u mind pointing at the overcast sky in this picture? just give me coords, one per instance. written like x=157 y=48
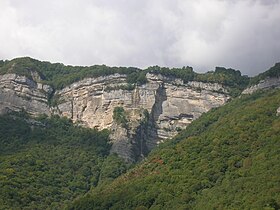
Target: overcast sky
x=241 y=34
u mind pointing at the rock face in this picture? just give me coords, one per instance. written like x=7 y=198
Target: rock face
x=170 y=104
x=278 y=112
x=154 y=111
x=263 y=84
x=20 y=93
x=178 y=104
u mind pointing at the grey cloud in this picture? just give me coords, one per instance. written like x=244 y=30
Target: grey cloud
x=242 y=34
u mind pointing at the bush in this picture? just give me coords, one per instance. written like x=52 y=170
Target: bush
x=119 y=116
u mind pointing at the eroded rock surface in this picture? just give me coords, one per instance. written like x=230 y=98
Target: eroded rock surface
x=273 y=82
x=20 y=93
x=154 y=111
x=171 y=106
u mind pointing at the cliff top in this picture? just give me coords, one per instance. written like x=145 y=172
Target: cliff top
x=59 y=75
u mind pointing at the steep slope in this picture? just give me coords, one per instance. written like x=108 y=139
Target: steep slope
x=227 y=159
x=266 y=80
x=47 y=162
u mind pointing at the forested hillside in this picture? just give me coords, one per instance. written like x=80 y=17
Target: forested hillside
x=47 y=162
x=227 y=159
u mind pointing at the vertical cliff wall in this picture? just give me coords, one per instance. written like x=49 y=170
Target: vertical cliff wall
x=170 y=104
x=21 y=93
x=154 y=111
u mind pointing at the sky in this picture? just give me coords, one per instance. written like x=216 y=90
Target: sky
x=239 y=34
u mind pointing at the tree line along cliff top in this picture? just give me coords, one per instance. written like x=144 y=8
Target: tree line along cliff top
x=59 y=75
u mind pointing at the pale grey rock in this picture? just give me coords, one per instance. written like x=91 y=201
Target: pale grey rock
x=20 y=93
x=192 y=84
x=208 y=86
x=35 y=76
x=122 y=144
x=263 y=84
x=48 y=89
x=170 y=104
x=183 y=105
x=45 y=88
x=278 y=112
x=159 y=78
x=87 y=101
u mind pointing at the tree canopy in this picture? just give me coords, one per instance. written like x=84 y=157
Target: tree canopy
x=58 y=75
x=47 y=162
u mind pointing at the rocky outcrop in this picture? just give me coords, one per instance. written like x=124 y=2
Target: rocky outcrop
x=184 y=104
x=91 y=102
x=154 y=111
x=171 y=105
x=278 y=112
x=270 y=82
x=178 y=104
x=21 y=93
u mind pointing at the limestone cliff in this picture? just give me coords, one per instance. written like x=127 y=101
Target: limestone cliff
x=154 y=111
x=170 y=103
x=21 y=93
x=269 y=82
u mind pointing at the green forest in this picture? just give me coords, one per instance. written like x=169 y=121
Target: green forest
x=227 y=159
x=47 y=162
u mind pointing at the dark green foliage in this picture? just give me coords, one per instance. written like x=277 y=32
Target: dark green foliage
x=185 y=73
x=137 y=78
x=113 y=167
x=228 y=77
x=128 y=86
x=272 y=72
x=227 y=159
x=2 y=63
x=54 y=100
x=47 y=162
x=59 y=75
x=119 y=116
x=21 y=66
x=20 y=133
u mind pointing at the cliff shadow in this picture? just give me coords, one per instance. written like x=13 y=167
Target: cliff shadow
x=152 y=132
